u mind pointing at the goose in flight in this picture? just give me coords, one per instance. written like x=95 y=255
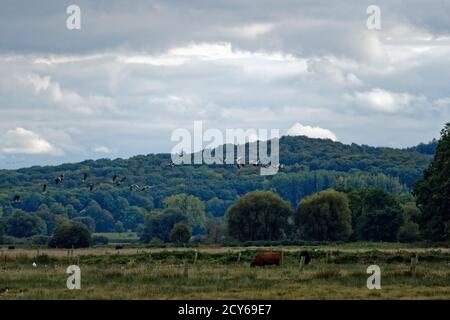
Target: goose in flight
x=59 y=179
x=278 y=166
x=84 y=177
x=44 y=188
x=255 y=163
x=240 y=163
x=134 y=186
x=91 y=186
x=121 y=181
x=16 y=199
x=143 y=188
x=114 y=178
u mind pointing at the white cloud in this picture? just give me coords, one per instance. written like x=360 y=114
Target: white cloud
x=332 y=72
x=250 y=31
x=68 y=99
x=383 y=100
x=311 y=132
x=23 y=141
x=102 y=149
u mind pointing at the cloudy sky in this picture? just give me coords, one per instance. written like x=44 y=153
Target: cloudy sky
x=137 y=70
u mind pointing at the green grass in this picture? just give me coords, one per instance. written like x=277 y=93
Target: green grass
x=162 y=275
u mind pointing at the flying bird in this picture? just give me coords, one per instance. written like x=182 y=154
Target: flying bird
x=59 y=179
x=44 y=188
x=134 y=186
x=255 y=163
x=143 y=188
x=91 y=186
x=84 y=177
x=121 y=181
x=114 y=178
x=278 y=166
x=16 y=199
x=240 y=163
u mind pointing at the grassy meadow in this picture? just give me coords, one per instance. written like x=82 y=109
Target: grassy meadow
x=223 y=273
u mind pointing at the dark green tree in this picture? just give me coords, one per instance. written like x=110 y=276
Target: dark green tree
x=259 y=215
x=371 y=210
x=324 y=216
x=70 y=235
x=160 y=224
x=86 y=221
x=432 y=192
x=180 y=233
x=119 y=227
x=22 y=224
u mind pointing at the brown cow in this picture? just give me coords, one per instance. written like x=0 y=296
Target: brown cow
x=265 y=259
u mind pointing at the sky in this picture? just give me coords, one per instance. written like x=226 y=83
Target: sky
x=138 y=70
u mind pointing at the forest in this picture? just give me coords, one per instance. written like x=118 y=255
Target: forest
x=105 y=195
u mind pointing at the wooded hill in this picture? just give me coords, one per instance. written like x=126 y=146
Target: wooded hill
x=311 y=165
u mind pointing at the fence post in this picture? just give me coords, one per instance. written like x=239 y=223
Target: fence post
x=195 y=256
x=413 y=266
x=302 y=263
x=186 y=270
x=239 y=257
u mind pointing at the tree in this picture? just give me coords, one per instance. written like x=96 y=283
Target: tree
x=379 y=225
x=432 y=192
x=191 y=206
x=133 y=217
x=22 y=224
x=216 y=230
x=408 y=232
x=180 y=233
x=259 y=215
x=325 y=216
x=160 y=224
x=376 y=215
x=45 y=214
x=119 y=227
x=2 y=231
x=104 y=221
x=88 y=222
x=70 y=235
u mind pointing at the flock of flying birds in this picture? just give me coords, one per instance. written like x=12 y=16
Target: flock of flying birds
x=117 y=181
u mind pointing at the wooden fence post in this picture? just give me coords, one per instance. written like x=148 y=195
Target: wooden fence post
x=195 y=256
x=412 y=268
x=186 y=270
x=302 y=263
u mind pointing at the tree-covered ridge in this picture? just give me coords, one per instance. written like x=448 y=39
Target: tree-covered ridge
x=312 y=165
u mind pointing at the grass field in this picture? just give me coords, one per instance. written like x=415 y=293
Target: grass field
x=223 y=273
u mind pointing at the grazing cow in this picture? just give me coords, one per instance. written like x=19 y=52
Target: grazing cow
x=11 y=247
x=119 y=247
x=265 y=259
